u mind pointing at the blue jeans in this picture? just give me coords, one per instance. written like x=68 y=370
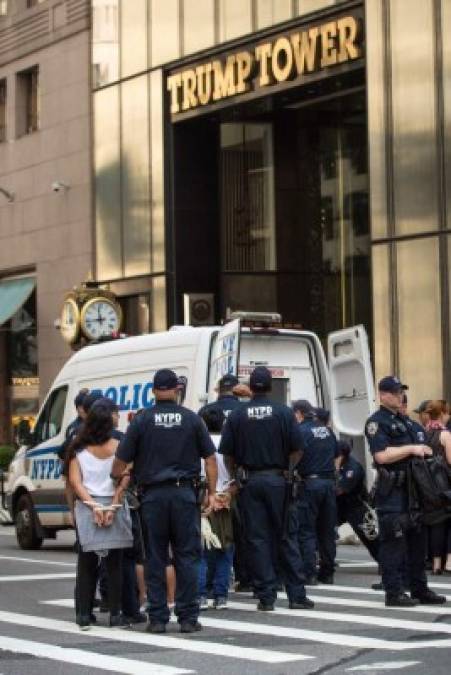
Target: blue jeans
x=219 y=563
x=171 y=515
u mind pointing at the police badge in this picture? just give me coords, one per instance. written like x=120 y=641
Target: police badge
x=372 y=428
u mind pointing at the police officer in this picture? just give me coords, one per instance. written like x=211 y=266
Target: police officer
x=317 y=505
x=260 y=441
x=352 y=497
x=393 y=438
x=165 y=444
x=226 y=401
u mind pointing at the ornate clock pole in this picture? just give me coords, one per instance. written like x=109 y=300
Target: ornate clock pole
x=89 y=314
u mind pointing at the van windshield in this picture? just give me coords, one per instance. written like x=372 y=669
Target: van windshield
x=291 y=360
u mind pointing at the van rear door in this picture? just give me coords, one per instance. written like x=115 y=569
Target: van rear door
x=352 y=392
x=224 y=355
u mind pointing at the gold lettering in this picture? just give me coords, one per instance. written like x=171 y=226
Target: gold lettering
x=329 y=52
x=262 y=54
x=304 y=48
x=189 y=80
x=174 y=84
x=204 y=83
x=282 y=51
x=348 y=29
x=224 y=79
x=244 y=65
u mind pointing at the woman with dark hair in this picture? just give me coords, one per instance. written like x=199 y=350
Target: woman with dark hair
x=102 y=520
x=439 y=439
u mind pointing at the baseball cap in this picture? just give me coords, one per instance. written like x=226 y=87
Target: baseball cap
x=260 y=379
x=165 y=380
x=90 y=399
x=228 y=380
x=303 y=406
x=391 y=384
x=422 y=407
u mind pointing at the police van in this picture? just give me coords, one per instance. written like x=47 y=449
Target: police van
x=123 y=370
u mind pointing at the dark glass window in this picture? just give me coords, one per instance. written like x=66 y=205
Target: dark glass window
x=2 y=110
x=51 y=418
x=28 y=101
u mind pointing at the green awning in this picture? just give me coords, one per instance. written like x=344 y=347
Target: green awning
x=13 y=294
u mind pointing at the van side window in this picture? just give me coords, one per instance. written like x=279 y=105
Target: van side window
x=51 y=418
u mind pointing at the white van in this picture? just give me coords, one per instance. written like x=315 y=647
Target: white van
x=123 y=370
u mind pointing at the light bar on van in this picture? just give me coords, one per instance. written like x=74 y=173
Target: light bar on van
x=257 y=317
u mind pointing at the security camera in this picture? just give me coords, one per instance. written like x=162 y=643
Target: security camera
x=58 y=185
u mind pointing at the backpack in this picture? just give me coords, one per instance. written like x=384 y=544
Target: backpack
x=430 y=483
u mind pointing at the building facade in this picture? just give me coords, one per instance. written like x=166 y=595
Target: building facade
x=46 y=244
x=283 y=155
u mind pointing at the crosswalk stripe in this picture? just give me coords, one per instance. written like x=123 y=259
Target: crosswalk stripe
x=315 y=636
x=387 y=665
x=369 y=604
x=115 y=664
x=367 y=591
x=36 y=561
x=36 y=577
x=167 y=642
x=383 y=622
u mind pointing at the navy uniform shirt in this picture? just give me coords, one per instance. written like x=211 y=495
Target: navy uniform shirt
x=351 y=482
x=165 y=443
x=386 y=429
x=261 y=434
x=71 y=431
x=320 y=449
x=225 y=403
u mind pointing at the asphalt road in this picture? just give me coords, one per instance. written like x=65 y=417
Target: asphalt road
x=349 y=631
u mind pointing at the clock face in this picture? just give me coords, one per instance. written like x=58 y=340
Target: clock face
x=100 y=318
x=70 y=320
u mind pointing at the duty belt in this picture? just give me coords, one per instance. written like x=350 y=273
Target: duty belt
x=178 y=482
x=266 y=472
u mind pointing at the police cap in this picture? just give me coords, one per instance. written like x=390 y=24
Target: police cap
x=322 y=415
x=391 y=384
x=165 y=380
x=260 y=379
x=227 y=381
x=90 y=399
x=106 y=402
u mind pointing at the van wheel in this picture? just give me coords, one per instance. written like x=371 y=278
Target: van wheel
x=26 y=525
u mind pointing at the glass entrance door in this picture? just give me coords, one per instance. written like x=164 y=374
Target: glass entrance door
x=294 y=214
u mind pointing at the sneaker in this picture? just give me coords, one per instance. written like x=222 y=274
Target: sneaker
x=155 y=627
x=302 y=604
x=220 y=603
x=265 y=607
x=203 y=603
x=190 y=627
x=428 y=597
x=400 y=600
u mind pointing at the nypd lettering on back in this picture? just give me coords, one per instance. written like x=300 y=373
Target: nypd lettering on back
x=259 y=412
x=320 y=432
x=168 y=420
